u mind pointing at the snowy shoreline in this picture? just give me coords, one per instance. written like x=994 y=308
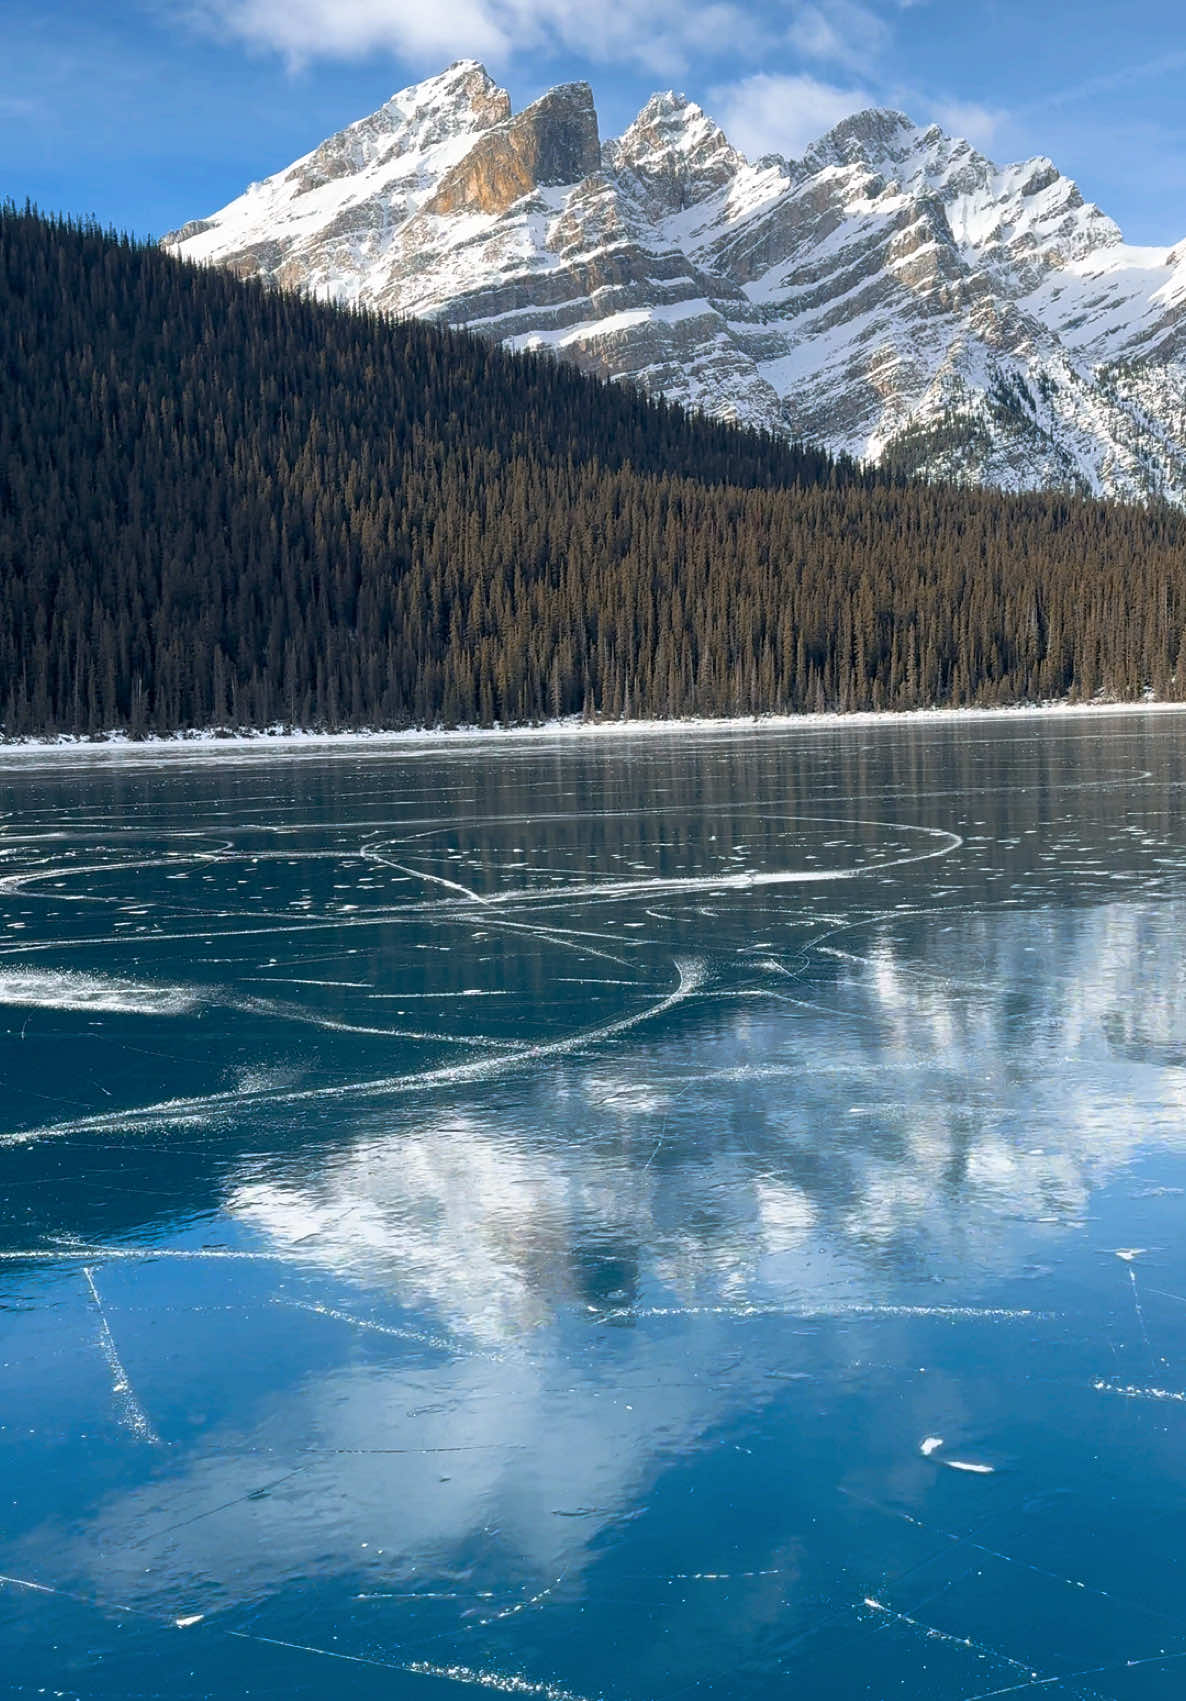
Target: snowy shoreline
x=210 y=741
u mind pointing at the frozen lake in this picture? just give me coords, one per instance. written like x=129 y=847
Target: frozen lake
x=641 y=1219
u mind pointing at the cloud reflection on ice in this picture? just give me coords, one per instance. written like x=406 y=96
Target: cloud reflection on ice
x=940 y=1115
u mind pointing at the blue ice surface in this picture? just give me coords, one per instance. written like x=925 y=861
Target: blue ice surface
x=634 y=1218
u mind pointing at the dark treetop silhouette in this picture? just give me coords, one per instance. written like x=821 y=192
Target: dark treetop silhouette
x=223 y=505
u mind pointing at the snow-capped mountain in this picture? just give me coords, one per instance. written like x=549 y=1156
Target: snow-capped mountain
x=892 y=294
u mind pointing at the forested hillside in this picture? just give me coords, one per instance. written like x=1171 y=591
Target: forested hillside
x=226 y=506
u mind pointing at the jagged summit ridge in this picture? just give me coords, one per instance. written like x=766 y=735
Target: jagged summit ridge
x=672 y=141
x=892 y=293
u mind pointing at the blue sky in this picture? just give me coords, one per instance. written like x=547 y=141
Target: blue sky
x=148 y=112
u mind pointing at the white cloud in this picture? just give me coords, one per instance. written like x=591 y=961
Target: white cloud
x=659 y=35
x=770 y=113
x=977 y=124
x=839 y=32
x=346 y=29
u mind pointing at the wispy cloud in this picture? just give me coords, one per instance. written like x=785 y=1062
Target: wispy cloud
x=1124 y=76
x=980 y=125
x=850 y=49
x=839 y=32
x=770 y=113
x=661 y=36
x=302 y=30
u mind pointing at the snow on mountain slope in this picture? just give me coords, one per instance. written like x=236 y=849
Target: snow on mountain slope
x=893 y=294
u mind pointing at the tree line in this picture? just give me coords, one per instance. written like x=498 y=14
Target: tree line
x=225 y=505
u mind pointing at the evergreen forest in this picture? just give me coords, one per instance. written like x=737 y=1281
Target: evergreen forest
x=227 y=506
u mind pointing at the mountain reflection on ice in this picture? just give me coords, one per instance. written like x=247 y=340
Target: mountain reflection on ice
x=609 y=1220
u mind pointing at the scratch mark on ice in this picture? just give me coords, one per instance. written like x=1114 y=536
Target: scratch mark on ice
x=308 y=1648
x=947 y=1313
x=507 y=1683
x=1139 y=1309
x=524 y=1605
x=1073 y=1676
x=993 y=1553
x=423 y=874
x=934 y=1634
x=133 y=1415
x=70 y=1595
x=418 y=1335
x=1132 y=1393
x=68 y=1250
x=256 y=1493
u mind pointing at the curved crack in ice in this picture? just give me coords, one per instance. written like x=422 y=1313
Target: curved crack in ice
x=691 y=972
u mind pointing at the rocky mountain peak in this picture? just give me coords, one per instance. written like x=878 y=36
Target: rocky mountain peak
x=464 y=93
x=1025 y=218
x=433 y=120
x=675 y=152
x=1041 y=174
x=464 y=100
x=552 y=142
x=878 y=137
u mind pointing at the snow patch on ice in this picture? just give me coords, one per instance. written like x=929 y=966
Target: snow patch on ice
x=70 y=989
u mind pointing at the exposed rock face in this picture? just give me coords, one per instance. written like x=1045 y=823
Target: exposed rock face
x=191 y=228
x=893 y=294
x=552 y=142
